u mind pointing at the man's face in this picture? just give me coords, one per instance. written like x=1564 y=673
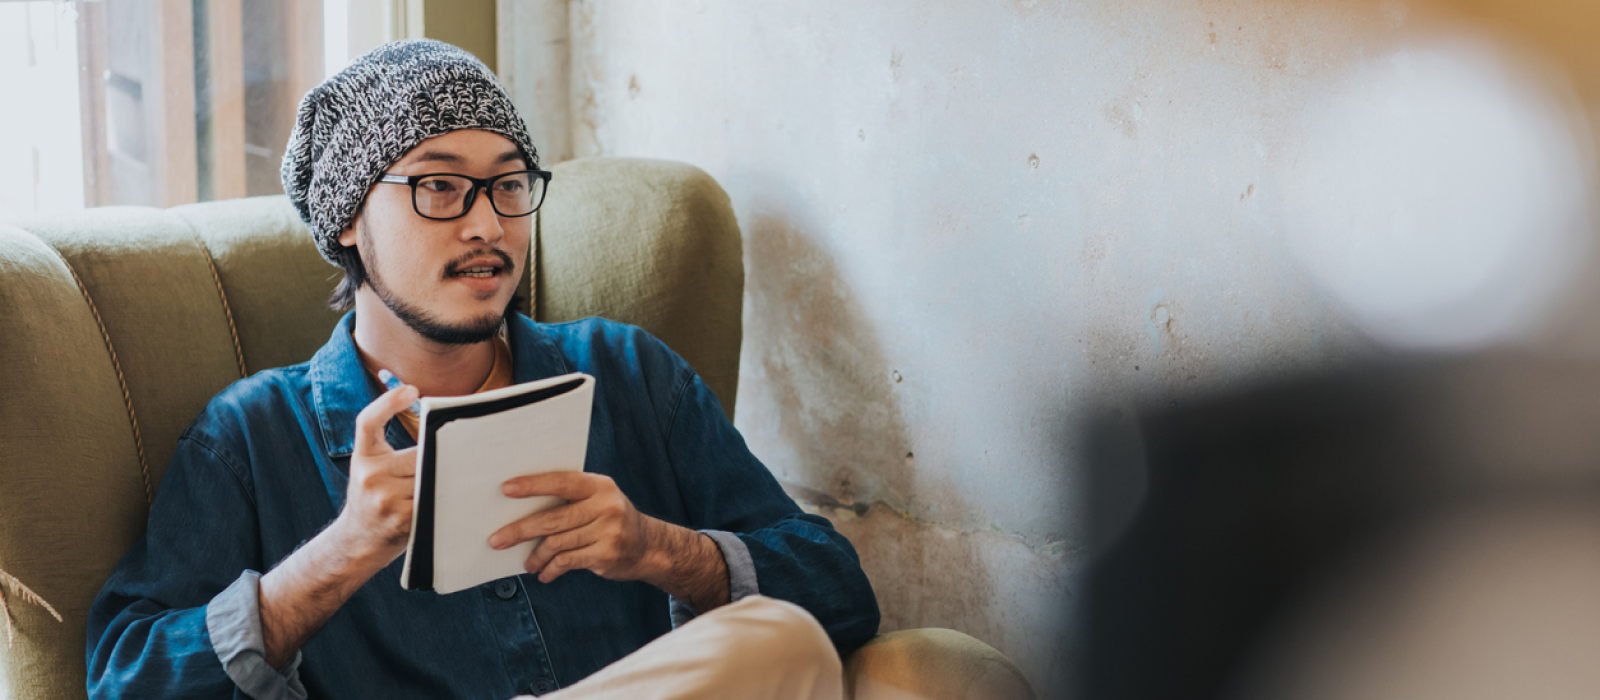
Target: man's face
x=449 y=281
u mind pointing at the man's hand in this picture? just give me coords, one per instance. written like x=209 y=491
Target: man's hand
x=600 y=530
x=376 y=520
x=302 y=592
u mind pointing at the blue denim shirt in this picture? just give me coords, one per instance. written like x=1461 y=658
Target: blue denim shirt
x=263 y=469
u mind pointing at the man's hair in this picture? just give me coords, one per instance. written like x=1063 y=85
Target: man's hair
x=355 y=275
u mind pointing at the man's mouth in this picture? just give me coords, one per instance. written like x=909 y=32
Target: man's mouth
x=481 y=266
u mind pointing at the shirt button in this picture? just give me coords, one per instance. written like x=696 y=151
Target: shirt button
x=506 y=588
x=544 y=685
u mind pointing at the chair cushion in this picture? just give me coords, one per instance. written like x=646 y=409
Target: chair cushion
x=72 y=499
x=932 y=664
x=148 y=277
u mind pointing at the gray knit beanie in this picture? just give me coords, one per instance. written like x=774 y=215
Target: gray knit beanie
x=353 y=126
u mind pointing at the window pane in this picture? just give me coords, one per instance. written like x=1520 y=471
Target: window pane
x=151 y=102
x=40 y=146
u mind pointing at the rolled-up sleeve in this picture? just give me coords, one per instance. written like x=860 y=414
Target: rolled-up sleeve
x=741 y=574
x=233 y=620
x=176 y=617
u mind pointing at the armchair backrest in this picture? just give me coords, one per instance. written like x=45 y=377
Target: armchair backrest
x=118 y=324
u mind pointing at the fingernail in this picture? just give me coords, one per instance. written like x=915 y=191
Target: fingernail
x=496 y=541
x=508 y=489
x=393 y=382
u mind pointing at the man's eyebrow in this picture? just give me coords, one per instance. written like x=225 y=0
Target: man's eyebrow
x=509 y=156
x=436 y=156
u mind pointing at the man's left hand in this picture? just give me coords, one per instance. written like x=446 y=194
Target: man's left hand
x=600 y=530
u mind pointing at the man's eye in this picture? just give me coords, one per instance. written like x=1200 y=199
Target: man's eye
x=438 y=185
x=510 y=186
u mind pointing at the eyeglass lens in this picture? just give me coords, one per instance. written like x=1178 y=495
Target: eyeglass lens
x=445 y=196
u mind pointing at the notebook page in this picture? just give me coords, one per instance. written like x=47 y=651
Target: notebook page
x=474 y=457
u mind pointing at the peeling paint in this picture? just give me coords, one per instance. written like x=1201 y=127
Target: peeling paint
x=819 y=503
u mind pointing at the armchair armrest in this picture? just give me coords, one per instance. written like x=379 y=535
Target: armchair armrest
x=932 y=664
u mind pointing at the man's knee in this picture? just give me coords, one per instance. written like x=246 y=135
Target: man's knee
x=771 y=632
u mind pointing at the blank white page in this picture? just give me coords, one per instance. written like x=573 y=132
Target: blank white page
x=474 y=456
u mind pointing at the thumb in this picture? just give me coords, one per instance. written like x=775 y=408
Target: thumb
x=370 y=421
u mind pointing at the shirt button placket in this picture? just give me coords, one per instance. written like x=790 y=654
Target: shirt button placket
x=543 y=686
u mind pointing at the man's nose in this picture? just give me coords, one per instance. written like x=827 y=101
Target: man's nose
x=482 y=221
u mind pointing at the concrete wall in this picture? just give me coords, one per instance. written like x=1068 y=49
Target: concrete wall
x=970 y=226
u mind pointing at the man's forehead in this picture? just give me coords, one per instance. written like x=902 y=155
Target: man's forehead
x=464 y=147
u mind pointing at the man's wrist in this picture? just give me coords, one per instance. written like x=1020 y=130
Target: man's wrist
x=346 y=544
x=687 y=564
x=660 y=543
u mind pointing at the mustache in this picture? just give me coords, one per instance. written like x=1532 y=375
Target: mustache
x=505 y=261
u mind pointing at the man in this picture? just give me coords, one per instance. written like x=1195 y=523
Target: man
x=416 y=176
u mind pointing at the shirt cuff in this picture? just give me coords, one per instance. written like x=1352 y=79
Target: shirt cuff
x=233 y=620
x=741 y=574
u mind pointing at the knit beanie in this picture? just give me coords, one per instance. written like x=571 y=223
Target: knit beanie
x=355 y=125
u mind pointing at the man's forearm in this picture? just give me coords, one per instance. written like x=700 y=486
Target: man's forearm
x=688 y=566
x=300 y=594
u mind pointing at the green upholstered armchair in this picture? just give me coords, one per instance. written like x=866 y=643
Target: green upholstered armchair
x=118 y=324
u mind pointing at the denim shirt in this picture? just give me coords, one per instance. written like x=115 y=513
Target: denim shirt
x=263 y=469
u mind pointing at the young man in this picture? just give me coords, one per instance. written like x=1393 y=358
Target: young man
x=417 y=177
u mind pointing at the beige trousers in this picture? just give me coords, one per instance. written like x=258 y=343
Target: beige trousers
x=756 y=649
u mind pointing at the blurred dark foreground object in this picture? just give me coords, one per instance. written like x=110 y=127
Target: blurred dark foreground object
x=1423 y=528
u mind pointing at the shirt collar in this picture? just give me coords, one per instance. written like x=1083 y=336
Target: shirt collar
x=341 y=386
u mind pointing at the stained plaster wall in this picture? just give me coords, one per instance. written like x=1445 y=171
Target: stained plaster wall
x=969 y=227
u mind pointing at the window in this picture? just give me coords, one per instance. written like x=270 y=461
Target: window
x=151 y=102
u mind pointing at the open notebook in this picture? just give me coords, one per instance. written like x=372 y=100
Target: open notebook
x=469 y=446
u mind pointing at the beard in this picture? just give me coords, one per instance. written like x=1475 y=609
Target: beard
x=468 y=332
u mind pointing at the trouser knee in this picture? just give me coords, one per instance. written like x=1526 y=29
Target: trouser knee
x=778 y=633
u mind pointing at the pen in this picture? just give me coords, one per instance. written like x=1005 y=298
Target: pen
x=393 y=382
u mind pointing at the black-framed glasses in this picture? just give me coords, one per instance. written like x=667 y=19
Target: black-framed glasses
x=445 y=196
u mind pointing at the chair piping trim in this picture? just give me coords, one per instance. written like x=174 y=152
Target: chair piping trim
x=127 y=399
x=233 y=331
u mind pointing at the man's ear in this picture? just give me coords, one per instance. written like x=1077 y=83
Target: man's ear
x=348 y=237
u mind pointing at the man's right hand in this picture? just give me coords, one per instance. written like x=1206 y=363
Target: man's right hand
x=376 y=520
x=302 y=592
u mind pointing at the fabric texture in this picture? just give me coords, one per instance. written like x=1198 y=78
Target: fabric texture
x=356 y=124
x=276 y=283
x=146 y=273
x=264 y=468
x=233 y=622
x=71 y=496
x=756 y=649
